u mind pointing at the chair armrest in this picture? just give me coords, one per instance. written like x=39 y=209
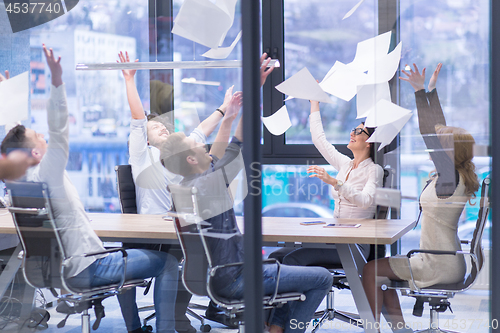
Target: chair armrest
x=116 y=249
x=30 y=211
x=269 y=261
x=435 y=252
x=66 y=262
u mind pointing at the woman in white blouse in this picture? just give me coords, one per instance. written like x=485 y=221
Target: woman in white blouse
x=353 y=189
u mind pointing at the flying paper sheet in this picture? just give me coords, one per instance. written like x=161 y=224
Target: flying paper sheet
x=303 y=85
x=371 y=49
x=385 y=112
x=278 y=122
x=349 y=13
x=14 y=94
x=332 y=70
x=204 y=22
x=384 y=68
x=343 y=82
x=386 y=133
x=369 y=95
x=222 y=52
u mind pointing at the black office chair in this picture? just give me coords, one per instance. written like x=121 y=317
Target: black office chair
x=126 y=194
x=438 y=295
x=198 y=269
x=377 y=251
x=126 y=189
x=44 y=256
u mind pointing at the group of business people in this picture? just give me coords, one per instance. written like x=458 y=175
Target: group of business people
x=159 y=157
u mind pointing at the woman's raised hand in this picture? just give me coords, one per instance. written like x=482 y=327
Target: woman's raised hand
x=414 y=77
x=434 y=77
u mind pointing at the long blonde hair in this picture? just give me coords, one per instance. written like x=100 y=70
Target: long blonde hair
x=458 y=144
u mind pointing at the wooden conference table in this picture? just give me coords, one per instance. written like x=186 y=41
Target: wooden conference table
x=276 y=231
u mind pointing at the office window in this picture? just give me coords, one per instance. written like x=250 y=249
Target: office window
x=316 y=37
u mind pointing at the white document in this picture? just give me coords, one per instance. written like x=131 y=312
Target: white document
x=222 y=52
x=386 y=133
x=332 y=70
x=278 y=122
x=14 y=97
x=349 y=13
x=368 y=51
x=303 y=85
x=385 y=112
x=369 y=95
x=343 y=81
x=384 y=68
x=204 y=22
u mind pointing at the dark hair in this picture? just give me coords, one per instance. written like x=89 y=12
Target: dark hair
x=153 y=115
x=16 y=139
x=373 y=146
x=174 y=152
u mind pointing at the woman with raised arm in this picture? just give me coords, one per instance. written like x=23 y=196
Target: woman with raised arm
x=353 y=189
x=452 y=184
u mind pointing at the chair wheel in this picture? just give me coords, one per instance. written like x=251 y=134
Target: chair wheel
x=147 y=328
x=205 y=328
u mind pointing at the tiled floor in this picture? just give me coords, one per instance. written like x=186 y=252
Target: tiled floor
x=470 y=314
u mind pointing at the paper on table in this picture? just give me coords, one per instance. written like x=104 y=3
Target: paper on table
x=369 y=95
x=371 y=49
x=384 y=68
x=204 y=22
x=386 y=133
x=349 y=13
x=303 y=85
x=343 y=81
x=278 y=122
x=385 y=112
x=14 y=94
x=222 y=52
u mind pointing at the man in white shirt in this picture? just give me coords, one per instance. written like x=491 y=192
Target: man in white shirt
x=77 y=235
x=147 y=134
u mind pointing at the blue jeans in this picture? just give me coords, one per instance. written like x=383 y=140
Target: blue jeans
x=313 y=282
x=141 y=264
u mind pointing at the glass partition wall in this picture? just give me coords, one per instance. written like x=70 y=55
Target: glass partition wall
x=313 y=34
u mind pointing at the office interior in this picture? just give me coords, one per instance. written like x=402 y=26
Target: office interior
x=461 y=34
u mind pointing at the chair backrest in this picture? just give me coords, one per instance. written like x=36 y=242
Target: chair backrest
x=387 y=182
x=188 y=225
x=482 y=219
x=126 y=189
x=378 y=251
x=32 y=215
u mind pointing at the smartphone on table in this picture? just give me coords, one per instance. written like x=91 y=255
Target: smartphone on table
x=342 y=225
x=312 y=222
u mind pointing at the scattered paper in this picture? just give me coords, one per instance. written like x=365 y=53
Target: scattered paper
x=278 y=122
x=389 y=119
x=303 y=85
x=386 y=133
x=14 y=94
x=205 y=22
x=335 y=66
x=384 y=113
x=384 y=68
x=368 y=51
x=343 y=81
x=222 y=52
x=369 y=95
x=349 y=13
